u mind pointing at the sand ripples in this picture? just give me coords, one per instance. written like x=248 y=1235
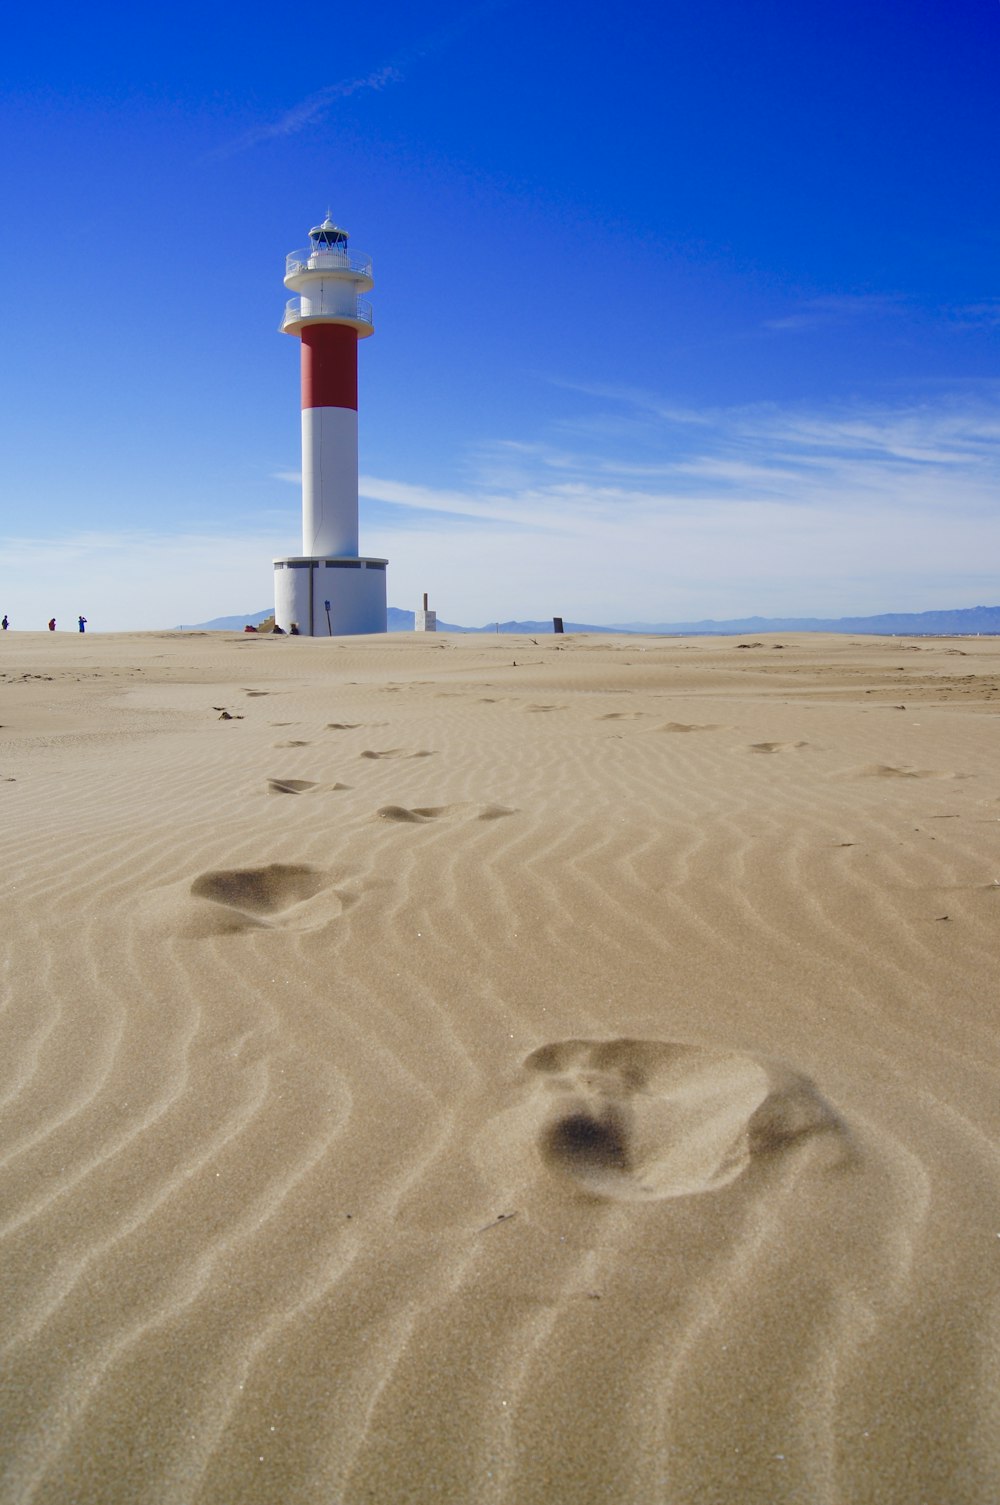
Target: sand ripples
x=561 y=1091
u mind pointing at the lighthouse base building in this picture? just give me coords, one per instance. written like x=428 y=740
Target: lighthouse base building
x=335 y=597
x=329 y=589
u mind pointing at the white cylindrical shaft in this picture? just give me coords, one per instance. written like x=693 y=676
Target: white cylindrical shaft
x=329 y=481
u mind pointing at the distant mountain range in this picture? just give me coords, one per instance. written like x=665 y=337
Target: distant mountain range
x=965 y=622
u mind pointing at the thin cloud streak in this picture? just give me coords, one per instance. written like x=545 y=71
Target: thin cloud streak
x=835 y=308
x=758 y=508
x=314 y=109
x=932 y=458
x=946 y=430
x=978 y=315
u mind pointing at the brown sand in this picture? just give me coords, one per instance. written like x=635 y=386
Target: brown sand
x=479 y=1069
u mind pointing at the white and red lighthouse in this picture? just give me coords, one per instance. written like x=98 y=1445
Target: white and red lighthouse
x=329 y=587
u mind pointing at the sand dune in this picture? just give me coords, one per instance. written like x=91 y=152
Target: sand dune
x=422 y=1079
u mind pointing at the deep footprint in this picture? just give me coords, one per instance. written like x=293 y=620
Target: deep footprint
x=260 y=890
x=776 y=747
x=421 y=814
x=252 y=901
x=418 y=816
x=395 y=752
x=644 y=1120
x=290 y=786
x=891 y=771
x=692 y=726
x=256 y=901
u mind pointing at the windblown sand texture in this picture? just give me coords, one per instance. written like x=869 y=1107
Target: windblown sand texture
x=480 y=1069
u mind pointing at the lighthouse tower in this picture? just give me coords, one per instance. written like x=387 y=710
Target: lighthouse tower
x=329 y=588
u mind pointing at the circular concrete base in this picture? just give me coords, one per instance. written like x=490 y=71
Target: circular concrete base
x=354 y=589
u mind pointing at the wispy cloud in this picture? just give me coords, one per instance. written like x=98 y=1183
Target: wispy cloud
x=835 y=308
x=852 y=309
x=314 y=108
x=945 y=428
x=977 y=315
x=928 y=452
x=780 y=509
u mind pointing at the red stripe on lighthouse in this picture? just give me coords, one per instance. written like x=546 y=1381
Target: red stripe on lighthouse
x=329 y=366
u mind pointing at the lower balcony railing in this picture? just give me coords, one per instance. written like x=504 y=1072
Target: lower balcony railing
x=362 y=312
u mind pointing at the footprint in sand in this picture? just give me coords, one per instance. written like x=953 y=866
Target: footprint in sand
x=418 y=816
x=545 y=708
x=495 y=812
x=644 y=1120
x=285 y=896
x=892 y=771
x=421 y=814
x=621 y=715
x=294 y=743
x=342 y=726
x=692 y=726
x=776 y=747
x=395 y=752
x=301 y=786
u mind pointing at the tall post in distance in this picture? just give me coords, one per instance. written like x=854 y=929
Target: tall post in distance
x=329 y=317
x=425 y=620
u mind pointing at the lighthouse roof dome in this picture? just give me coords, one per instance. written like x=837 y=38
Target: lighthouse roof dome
x=328 y=234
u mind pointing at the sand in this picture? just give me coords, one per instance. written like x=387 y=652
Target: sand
x=487 y=1069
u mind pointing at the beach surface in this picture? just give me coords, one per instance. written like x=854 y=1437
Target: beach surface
x=488 y=1069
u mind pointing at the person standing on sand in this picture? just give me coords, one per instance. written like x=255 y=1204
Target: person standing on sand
x=52 y=624
x=83 y=623
x=4 y=624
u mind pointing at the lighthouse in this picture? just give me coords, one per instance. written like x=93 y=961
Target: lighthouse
x=329 y=588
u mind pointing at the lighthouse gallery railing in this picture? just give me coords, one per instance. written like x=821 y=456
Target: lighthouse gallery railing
x=293 y=312
x=333 y=257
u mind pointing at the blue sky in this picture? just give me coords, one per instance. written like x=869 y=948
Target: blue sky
x=682 y=310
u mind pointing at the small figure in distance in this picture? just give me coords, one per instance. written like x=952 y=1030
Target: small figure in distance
x=293 y=629
x=52 y=624
x=4 y=624
x=82 y=621
x=279 y=630
x=249 y=627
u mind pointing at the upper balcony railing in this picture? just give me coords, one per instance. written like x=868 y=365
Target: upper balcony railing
x=293 y=313
x=332 y=258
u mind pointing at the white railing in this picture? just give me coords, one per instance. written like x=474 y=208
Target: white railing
x=332 y=258
x=293 y=312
